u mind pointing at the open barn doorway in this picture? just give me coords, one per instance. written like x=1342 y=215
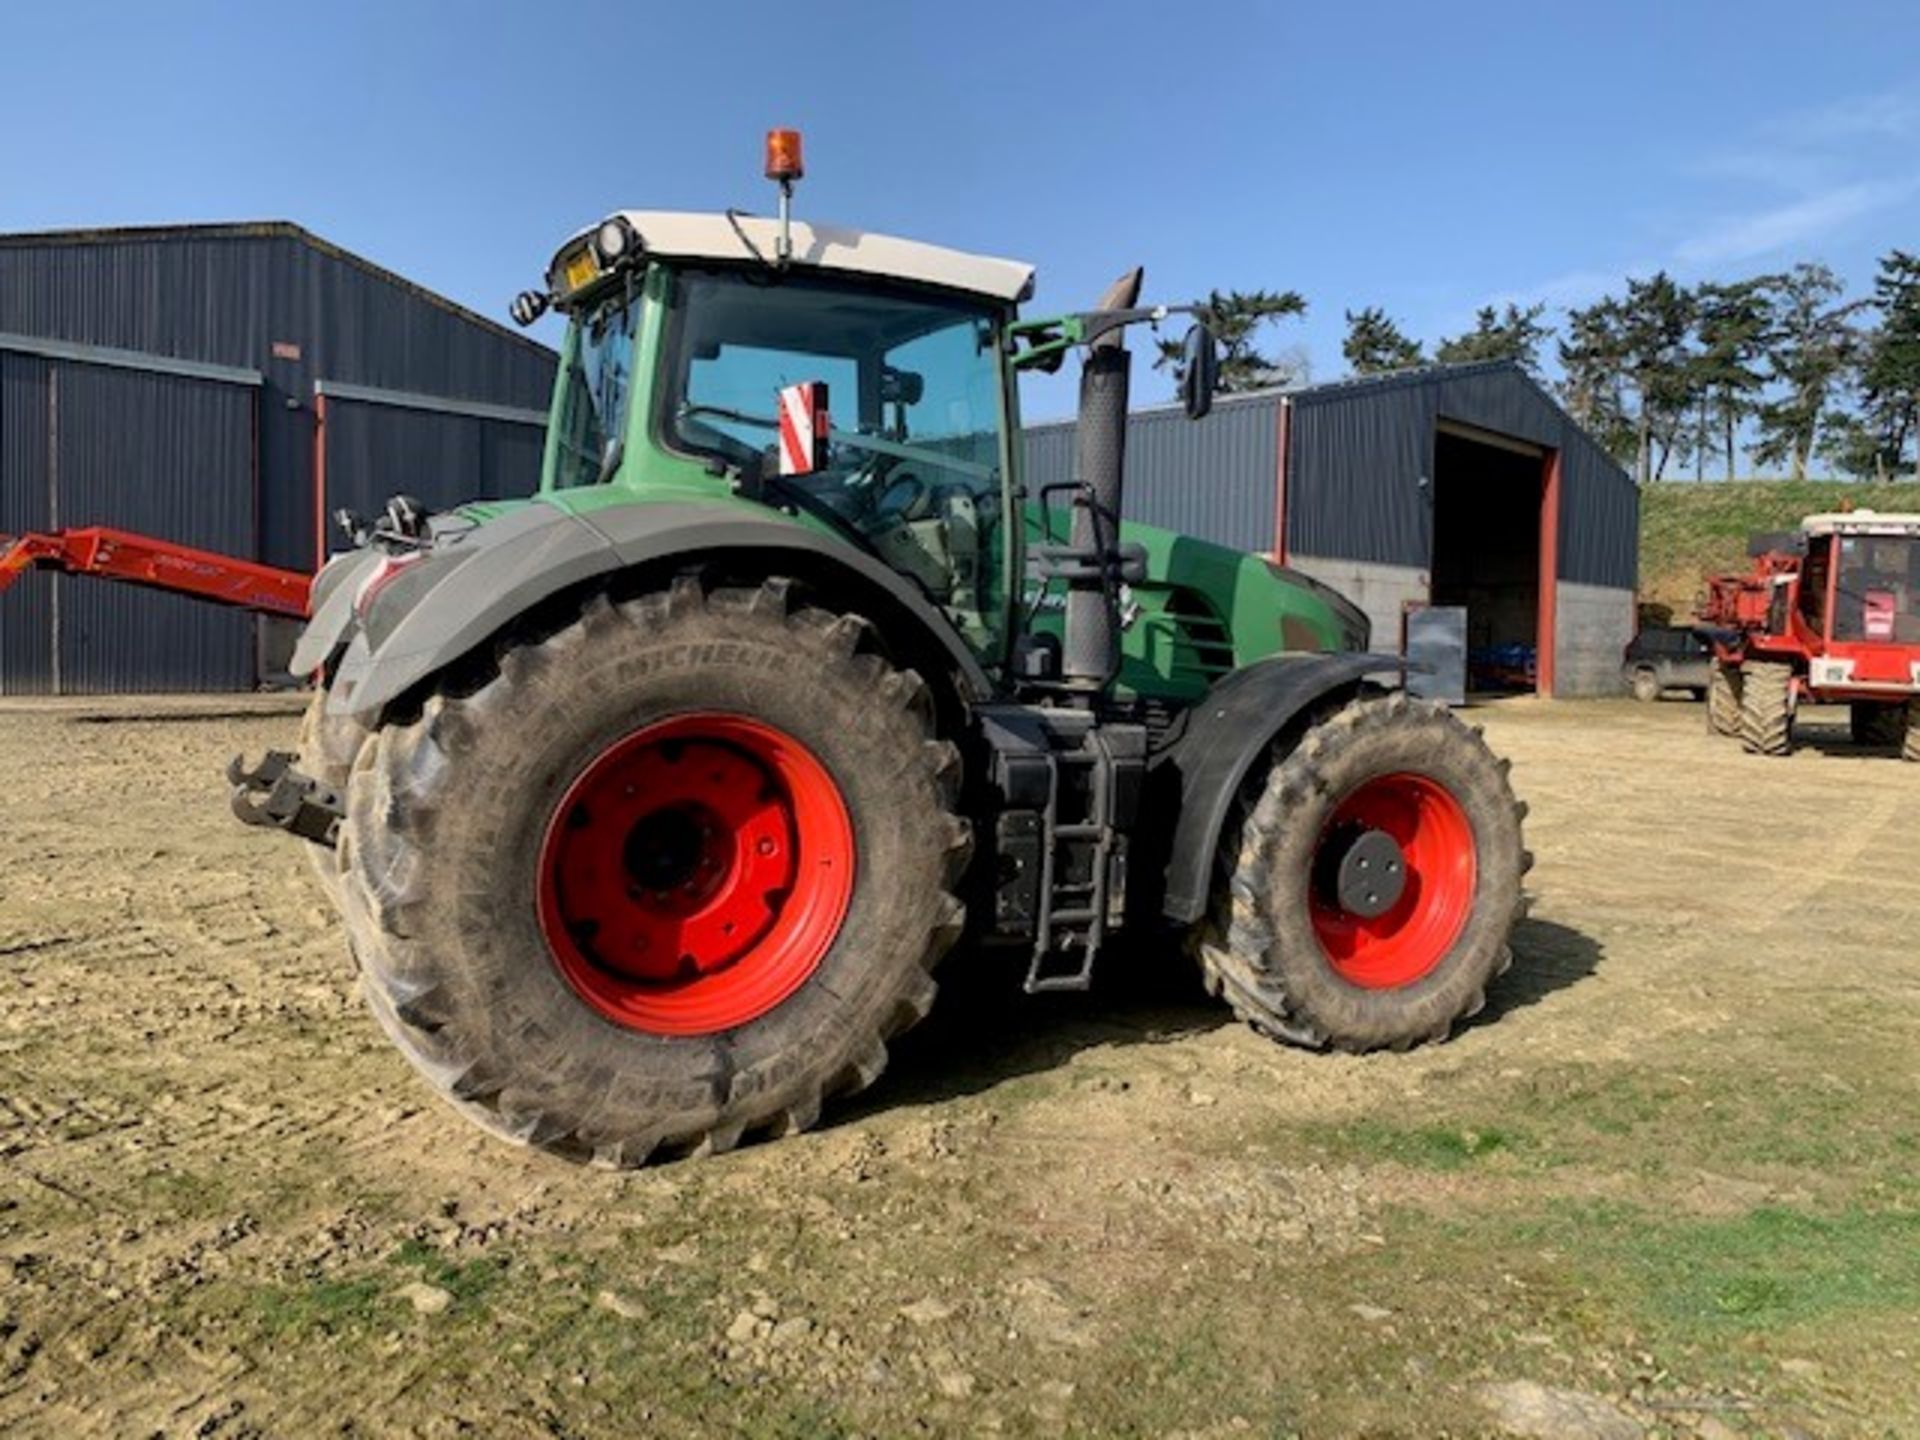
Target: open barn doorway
x=1493 y=506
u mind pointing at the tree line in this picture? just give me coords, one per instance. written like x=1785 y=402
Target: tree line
x=1781 y=365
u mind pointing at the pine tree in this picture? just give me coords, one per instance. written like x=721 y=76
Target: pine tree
x=1890 y=364
x=1374 y=344
x=1808 y=349
x=1235 y=317
x=1515 y=334
x=1593 y=360
x=1733 y=323
x=1657 y=318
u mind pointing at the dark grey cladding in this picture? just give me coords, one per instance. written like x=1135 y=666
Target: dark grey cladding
x=163 y=379
x=1360 y=459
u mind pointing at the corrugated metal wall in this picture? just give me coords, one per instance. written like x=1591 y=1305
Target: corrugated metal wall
x=374 y=451
x=268 y=298
x=1213 y=478
x=1359 y=452
x=176 y=460
x=26 y=610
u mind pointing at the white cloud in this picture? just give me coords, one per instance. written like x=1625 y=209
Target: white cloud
x=1761 y=232
x=1893 y=115
x=1574 y=287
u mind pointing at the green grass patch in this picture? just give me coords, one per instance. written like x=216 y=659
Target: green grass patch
x=1770 y=1267
x=1688 y=530
x=1685 y=1280
x=468 y=1282
x=324 y=1307
x=1424 y=1147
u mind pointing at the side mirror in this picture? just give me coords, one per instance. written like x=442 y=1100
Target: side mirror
x=1199 y=371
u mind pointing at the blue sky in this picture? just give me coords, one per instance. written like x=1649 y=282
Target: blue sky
x=1423 y=157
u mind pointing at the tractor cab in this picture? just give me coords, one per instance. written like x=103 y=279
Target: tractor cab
x=1863 y=577
x=857 y=381
x=1859 y=594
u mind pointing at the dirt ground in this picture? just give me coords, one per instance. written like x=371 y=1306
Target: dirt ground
x=1669 y=1184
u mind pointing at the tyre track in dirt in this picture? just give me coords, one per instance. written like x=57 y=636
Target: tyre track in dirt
x=199 y=1123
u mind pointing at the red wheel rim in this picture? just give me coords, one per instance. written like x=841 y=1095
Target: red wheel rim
x=1412 y=936
x=695 y=874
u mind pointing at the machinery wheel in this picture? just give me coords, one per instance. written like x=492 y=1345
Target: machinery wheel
x=328 y=745
x=673 y=876
x=1910 y=749
x=1723 y=699
x=1370 y=883
x=1766 y=708
x=1878 y=723
x=1645 y=686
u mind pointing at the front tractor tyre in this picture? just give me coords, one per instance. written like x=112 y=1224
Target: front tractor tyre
x=1723 y=699
x=1766 y=708
x=1370 y=883
x=1910 y=745
x=1877 y=723
x=1645 y=685
x=671 y=877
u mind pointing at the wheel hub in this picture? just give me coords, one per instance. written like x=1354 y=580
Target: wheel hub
x=1370 y=874
x=695 y=873
x=1394 y=880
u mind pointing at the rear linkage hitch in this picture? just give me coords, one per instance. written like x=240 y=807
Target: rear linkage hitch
x=276 y=795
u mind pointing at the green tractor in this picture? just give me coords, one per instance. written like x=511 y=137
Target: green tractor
x=653 y=802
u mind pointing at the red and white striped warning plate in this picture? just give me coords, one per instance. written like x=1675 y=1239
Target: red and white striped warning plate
x=803 y=427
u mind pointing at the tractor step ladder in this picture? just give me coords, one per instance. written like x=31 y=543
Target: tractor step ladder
x=1074 y=904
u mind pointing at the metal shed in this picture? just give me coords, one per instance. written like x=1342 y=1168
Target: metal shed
x=1458 y=485
x=228 y=386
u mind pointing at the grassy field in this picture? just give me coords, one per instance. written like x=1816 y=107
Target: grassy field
x=1667 y=1186
x=1688 y=530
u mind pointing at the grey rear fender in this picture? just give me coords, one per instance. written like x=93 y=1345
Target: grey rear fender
x=1225 y=734
x=477 y=584
x=330 y=617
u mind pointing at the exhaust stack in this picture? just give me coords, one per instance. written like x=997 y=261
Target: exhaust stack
x=1091 y=649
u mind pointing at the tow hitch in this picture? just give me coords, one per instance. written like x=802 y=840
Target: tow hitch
x=276 y=795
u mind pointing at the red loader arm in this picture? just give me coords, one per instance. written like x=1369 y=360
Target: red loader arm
x=158 y=564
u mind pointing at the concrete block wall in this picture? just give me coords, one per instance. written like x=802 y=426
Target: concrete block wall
x=1381 y=590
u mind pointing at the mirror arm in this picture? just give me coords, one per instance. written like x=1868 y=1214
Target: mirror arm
x=1047 y=341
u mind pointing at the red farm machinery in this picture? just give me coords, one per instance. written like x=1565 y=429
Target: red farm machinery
x=1829 y=614
x=157 y=564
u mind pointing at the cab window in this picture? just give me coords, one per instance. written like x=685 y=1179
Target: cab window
x=915 y=396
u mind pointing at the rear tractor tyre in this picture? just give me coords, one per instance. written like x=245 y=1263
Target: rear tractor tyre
x=1370 y=882
x=1723 y=699
x=328 y=747
x=1646 y=686
x=1878 y=724
x=1766 y=708
x=1910 y=747
x=671 y=878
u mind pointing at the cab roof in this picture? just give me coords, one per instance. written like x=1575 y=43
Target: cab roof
x=692 y=235
x=1862 y=522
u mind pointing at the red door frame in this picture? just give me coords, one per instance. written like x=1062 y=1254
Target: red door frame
x=319 y=482
x=1283 y=436
x=1548 y=607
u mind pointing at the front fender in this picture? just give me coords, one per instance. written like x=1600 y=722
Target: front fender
x=475 y=584
x=1225 y=734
